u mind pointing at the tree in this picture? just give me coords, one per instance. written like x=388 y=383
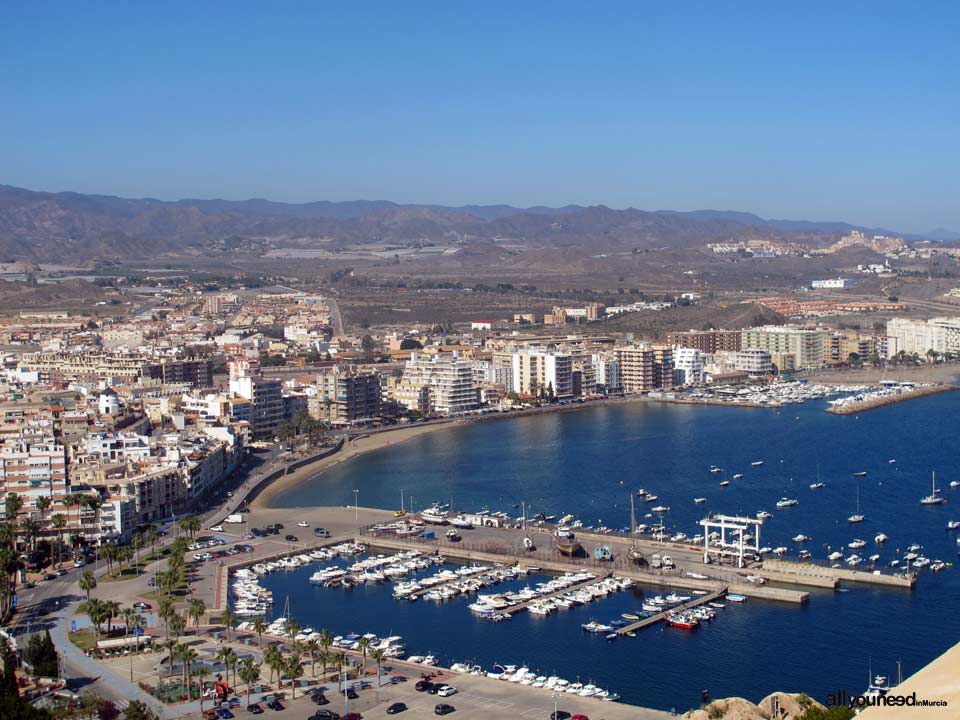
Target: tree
x=249 y=674
x=259 y=626
x=87 y=582
x=326 y=641
x=273 y=659
x=59 y=522
x=364 y=645
x=189 y=524
x=200 y=673
x=42 y=655
x=137 y=710
x=294 y=670
x=378 y=655
x=229 y=659
x=107 y=710
x=312 y=646
x=411 y=344
x=198 y=608
x=228 y=619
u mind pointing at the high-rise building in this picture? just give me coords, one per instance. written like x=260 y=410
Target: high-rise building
x=688 y=366
x=539 y=371
x=706 y=341
x=805 y=344
x=645 y=367
x=939 y=334
x=442 y=383
x=264 y=394
x=347 y=396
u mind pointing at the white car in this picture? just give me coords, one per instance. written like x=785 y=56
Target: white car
x=447 y=691
x=217 y=528
x=303 y=523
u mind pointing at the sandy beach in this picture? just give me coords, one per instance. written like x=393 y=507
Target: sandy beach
x=354 y=447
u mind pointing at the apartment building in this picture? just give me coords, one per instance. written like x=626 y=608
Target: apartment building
x=538 y=371
x=264 y=394
x=756 y=363
x=606 y=372
x=706 y=341
x=805 y=344
x=688 y=366
x=940 y=334
x=442 y=383
x=645 y=367
x=346 y=396
x=33 y=468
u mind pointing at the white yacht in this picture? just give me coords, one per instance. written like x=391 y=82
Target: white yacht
x=787 y=502
x=933 y=498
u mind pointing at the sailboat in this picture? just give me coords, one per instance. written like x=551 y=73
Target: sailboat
x=856 y=517
x=634 y=553
x=932 y=498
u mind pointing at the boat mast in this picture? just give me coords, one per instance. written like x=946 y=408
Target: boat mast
x=633 y=523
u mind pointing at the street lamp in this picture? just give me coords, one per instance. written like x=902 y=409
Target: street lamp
x=555 y=712
x=356 y=509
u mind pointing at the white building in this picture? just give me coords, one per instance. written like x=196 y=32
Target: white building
x=805 y=344
x=442 y=383
x=757 y=363
x=835 y=284
x=606 y=370
x=688 y=365
x=940 y=334
x=537 y=370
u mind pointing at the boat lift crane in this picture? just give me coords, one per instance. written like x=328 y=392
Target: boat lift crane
x=736 y=545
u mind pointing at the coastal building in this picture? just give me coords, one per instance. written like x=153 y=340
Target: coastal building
x=706 y=341
x=688 y=366
x=831 y=284
x=346 y=396
x=264 y=395
x=539 y=371
x=606 y=371
x=940 y=335
x=756 y=363
x=645 y=367
x=442 y=383
x=805 y=344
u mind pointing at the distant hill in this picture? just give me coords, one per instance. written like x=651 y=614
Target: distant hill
x=68 y=226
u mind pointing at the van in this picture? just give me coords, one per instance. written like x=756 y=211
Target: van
x=655 y=561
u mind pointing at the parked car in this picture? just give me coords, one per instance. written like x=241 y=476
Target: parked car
x=254 y=709
x=560 y=715
x=396 y=708
x=447 y=691
x=423 y=685
x=325 y=715
x=217 y=528
x=290 y=538
x=352 y=693
x=320 y=699
x=275 y=705
x=443 y=709
x=224 y=714
x=352 y=716
x=79 y=562
x=50 y=576
x=61 y=572
x=141 y=606
x=303 y=523
x=320 y=532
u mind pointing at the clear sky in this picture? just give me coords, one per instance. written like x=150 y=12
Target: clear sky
x=834 y=110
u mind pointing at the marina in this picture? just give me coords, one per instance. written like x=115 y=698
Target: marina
x=599 y=443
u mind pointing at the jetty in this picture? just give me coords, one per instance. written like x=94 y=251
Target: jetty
x=660 y=616
x=852 y=408
x=562 y=591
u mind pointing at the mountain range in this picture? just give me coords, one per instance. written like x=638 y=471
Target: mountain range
x=69 y=226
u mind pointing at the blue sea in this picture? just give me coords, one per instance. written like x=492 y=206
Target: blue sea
x=588 y=462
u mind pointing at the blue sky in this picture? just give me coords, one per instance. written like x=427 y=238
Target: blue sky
x=800 y=110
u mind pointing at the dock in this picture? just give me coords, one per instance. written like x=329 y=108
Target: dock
x=812 y=574
x=573 y=588
x=653 y=619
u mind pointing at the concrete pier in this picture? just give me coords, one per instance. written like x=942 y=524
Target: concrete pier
x=812 y=574
x=654 y=619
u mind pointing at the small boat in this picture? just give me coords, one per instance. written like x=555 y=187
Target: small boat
x=880 y=538
x=856 y=517
x=595 y=627
x=633 y=617
x=953 y=524
x=566 y=543
x=660 y=508
x=700 y=500
x=737 y=476
x=715 y=469
x=801 y=538
x=757 y=463
x=892 y=461
x=861 y=473
x=817 y=485
x=954 y=483
x=763 y=515
x=687 y=622
x=724 y=483
x=737 y=598
x=787 y=502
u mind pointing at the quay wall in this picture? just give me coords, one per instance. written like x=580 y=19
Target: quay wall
x=798 y=570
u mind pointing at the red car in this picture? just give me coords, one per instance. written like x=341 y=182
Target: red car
x=352 y=716
x=579 y=716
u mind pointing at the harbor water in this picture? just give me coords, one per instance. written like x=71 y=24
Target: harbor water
x=588 y=463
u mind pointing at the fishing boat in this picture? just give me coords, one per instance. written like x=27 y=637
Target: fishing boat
x=933 y=498
x=566 y=543
x=700 y=500
x=595 y=627
x=860 y=473
x=737 y=476
x=435 y=516
x=880 y=538
x=757 y=463
x=787 y=502
x=817 y=485
x=724 y=483
x=737 y=598
x=461 y=522
x=684 y=621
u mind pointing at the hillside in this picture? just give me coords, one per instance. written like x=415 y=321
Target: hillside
x=46 y=227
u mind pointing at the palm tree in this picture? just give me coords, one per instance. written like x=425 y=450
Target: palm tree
x=364 y=644
x=292 y=627
x=200 y=672
x=87 y=583
x=272 y=658
x=94 y=502
x=228 y=619
x=96 y=612
x=294 y=670
x=151 y=537
x=187 y=656
x=113 y=608
x=259 y=626
x=189 y=524
x=43 y=504
x=249 y=674
x=166 y=611
x=137 y=625
x=176 y=624
x=59 y=522
x=228 y=657
x=198 y=608
x=128 y=615
x=312 y=646
x=69 y=501
x=12 y=505
x=326 y=641
x=171 y=647
x=378 y=655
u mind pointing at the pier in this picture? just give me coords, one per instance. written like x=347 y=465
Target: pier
x=857 y=407
x=653 y=619
x=813 y=574
x=573 y=588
